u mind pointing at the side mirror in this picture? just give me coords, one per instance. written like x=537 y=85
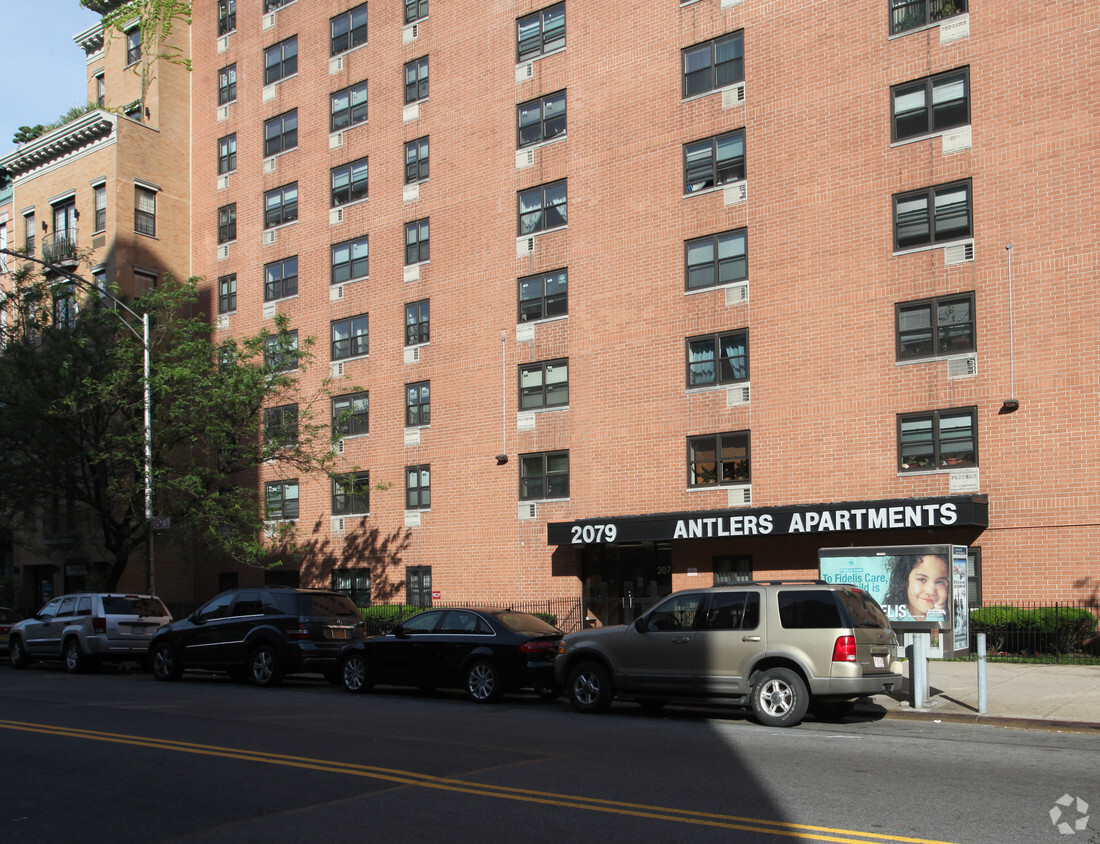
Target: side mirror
x=400 y=632
x=641 y=625
x=194 y=618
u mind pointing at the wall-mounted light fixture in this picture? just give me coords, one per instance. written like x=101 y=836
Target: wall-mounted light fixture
x=501 y=459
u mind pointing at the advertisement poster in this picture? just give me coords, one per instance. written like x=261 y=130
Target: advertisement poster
x=961 y=628
x=912 y=583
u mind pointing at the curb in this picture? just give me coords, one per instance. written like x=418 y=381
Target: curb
x=1004 y=721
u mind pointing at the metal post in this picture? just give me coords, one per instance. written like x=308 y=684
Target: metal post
x=918 y=671
x=983 y=687
x=150 y=583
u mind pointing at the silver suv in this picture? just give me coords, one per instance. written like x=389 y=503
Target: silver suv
x=85 y=628
x=779 y=647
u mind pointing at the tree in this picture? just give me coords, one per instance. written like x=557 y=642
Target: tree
x=72 y=433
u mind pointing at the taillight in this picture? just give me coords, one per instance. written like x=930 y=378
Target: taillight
x=299 y=632
x=845 y=649
x=538 y=646
x=99 y=625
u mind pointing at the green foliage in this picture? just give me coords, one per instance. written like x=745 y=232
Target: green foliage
x=549 y=617
x=1041 y=630
x=383 y=618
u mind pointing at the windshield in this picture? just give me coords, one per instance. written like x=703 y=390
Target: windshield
x=521 y=622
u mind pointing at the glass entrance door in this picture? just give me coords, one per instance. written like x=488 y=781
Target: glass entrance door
x=622 y=582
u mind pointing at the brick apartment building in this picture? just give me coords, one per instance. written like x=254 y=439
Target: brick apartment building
x=112 y=183
x=740 y=267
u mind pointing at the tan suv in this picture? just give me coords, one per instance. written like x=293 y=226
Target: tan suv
x=779 y=647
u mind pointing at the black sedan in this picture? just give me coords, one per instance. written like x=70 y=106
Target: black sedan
x=482 y=650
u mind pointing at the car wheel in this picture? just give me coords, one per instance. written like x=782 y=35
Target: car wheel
x=263 y=666
x=483 y=683
x=17 y=654
x=73 y=656
x=163 y=662
x=590 y=688
x=779 y=697
x=354 y=674
x=832 y=710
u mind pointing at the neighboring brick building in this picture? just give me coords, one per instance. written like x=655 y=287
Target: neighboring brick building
x=115 y=185
x=579 y=221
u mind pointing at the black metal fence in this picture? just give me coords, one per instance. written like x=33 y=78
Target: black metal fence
x=563 y=613
x=1064 y=632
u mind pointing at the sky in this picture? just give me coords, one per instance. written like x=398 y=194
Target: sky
x=42 y=67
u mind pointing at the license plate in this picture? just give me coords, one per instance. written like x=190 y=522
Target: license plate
x=339 y=632
x=880 y=662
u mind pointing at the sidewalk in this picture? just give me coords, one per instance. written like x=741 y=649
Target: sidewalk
x=1063 y=697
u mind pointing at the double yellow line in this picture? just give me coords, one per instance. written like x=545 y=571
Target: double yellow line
x=569 y=801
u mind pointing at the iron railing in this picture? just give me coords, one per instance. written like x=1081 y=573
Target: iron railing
x=59 y=247
x=563 y=613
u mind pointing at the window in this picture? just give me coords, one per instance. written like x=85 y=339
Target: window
x=348 y=107
x=940 y=439
x=281 y=60
x=349 y=182
x=418 y=404
x=416 y=80
x=417 y=242
x=350 y=260
x=416 y=160
x=281 y=351
x=718 y=359
x=675 y=615
x=227 y=223
x=543 y=296
x=350 y=337
x=281 y=133
x=133 y=46
x=418 y=586
x=281 y=205
x=930 y=105
x=540 y=120
x=730 y=570
x=714 y=64
x=544 y=475
x=355 y=583
x=418 y=487
x=715 y=260
x=64 y=306
x=100 y=201
x=718 y=459
x=281 y=499
x=227 y=84
x=227 y=293
x=540 y=33
x=281 y=279
x=145 y=211
x=227 y=16
x=415 y=10
x=417 y=323
x=912 y=14
x=713 y=162
x=544 y=384
x=973 y=578
x=227 y=154
x=349 y=29
x=935 y=327
x=351 y=414
x=351 y=493
x=272 y=5
x=932 y=216
x=281 y=424
x=28 y=232
x=543 y=208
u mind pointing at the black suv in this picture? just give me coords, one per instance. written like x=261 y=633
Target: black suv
x=261 y=634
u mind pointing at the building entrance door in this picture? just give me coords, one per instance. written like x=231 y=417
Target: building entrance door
x=623 y=581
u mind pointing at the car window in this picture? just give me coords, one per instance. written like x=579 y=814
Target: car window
x=457 y=621
x=423 y=623
x=864 y=610
x=332 y=605
x=677 y=613
x=68 y=606
x=523 y=622
x=84 y=605
x=733 y=611
x=51 y=607
x=248 y=603
x=132 y=605
x=809 y=609
x=217 y=608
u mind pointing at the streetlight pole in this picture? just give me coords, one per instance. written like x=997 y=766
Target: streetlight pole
x=144 y=337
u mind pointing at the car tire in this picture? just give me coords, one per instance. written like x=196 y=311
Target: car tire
x=73 y=656
x=263 y=666
x=779 y=697
x=831 y=710
x=590 y=688
x=163 y=662
x=17 y=654
x=354 y=674
x=483 y=682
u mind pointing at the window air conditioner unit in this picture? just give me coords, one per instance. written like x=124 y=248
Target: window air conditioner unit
x=525 y=71
x=525 y=158
x=337 y=525
x=335 y=216
x=335 y=64
x=336 y=140
x=223 y=182
x=964 y=367
x=411 y=193
x=527 y=511
x=269 y=91
x=269 y=165
x=412 y=272
x=737 y=294
x=223 y=113
x=223 y=251
x=739 y=496
x=336 y=369
x=269 y=20
x=958 y=253
x=223 y=43
x=269 y=310
x=737 y=395
x=738 y=192
x=412 y=355
x=410 y=33
x=336 y=292
x=734 y=95
x=223 y=322
x=269 y=237
x=410 y=112
x=524 y=246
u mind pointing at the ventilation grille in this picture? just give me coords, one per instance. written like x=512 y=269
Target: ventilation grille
x=412 y=518
x=412 y=437
x=958 y=253
x=412 y=355
x=336 y=369
x=269 y=165
x=410 y=33
x=336 y=293
x=733 y=96
x=338 y=447
x=223 y=251
x=412 y=272
x=223 y=322
x=737 y=294
x=335 y=64
x=525 y=332
x=336 y=140
x=525 y=421
x=223 y=113
x=269 y=310
x=335 y=215
x=527 y=511
x=737 y=395
x=735 y=193
x=966 y=367
x=269 y=237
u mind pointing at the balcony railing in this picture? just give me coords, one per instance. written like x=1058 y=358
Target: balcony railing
x=60 y=247
x=913 y=14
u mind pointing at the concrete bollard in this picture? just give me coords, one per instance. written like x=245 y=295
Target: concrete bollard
x=918 y=670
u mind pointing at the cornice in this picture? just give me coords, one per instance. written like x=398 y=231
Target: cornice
x=60 y=142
